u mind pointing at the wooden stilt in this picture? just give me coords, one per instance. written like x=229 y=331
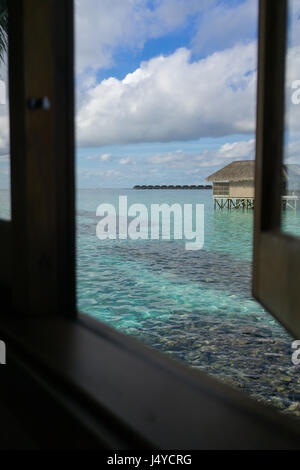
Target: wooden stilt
x=236 y=203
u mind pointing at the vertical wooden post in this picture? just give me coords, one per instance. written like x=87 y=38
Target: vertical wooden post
x=42 y=156
x=270 y=124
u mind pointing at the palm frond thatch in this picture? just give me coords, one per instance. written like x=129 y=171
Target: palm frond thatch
x=235 y=171
x=3 y=28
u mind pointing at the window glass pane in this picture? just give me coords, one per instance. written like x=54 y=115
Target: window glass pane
x=4 y=117
x=165 y=99
x=291 y=162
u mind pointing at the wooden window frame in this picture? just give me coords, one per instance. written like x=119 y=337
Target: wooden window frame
x=5 y=253
x=42 y=163
x=109 y=390
x=276 y=254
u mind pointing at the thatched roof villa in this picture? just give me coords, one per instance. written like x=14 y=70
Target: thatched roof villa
x=235 y=180
x=233 y=185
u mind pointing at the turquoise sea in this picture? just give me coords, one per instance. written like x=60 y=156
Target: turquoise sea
x=193 y=305
x=125 y=282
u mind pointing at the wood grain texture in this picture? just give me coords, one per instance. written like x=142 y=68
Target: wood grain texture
x=42 y=154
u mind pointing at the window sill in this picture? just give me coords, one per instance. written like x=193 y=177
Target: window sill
x=132 y=396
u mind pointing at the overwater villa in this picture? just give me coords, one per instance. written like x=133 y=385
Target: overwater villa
x=234 y=185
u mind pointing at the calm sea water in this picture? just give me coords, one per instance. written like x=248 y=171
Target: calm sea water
x=193 y=305
x=126 y=282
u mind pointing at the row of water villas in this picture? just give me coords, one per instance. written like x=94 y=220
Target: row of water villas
x=150 y=186
x=233 y=185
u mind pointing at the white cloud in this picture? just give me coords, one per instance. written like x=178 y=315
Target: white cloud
x=180 y=167
x=171 y=98
x=237 y=150
x=294 y=23
x=225 y=25
x=102 y=26
x=127 y=161
x=172 y=158
x=111 y=173
x=109 y=158
x=105 y=157
x=190 y=162
x=177 y=167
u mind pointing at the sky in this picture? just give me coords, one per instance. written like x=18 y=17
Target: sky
x=166 y=90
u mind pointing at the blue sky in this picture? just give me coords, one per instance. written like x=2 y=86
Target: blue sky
x=164 y=89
